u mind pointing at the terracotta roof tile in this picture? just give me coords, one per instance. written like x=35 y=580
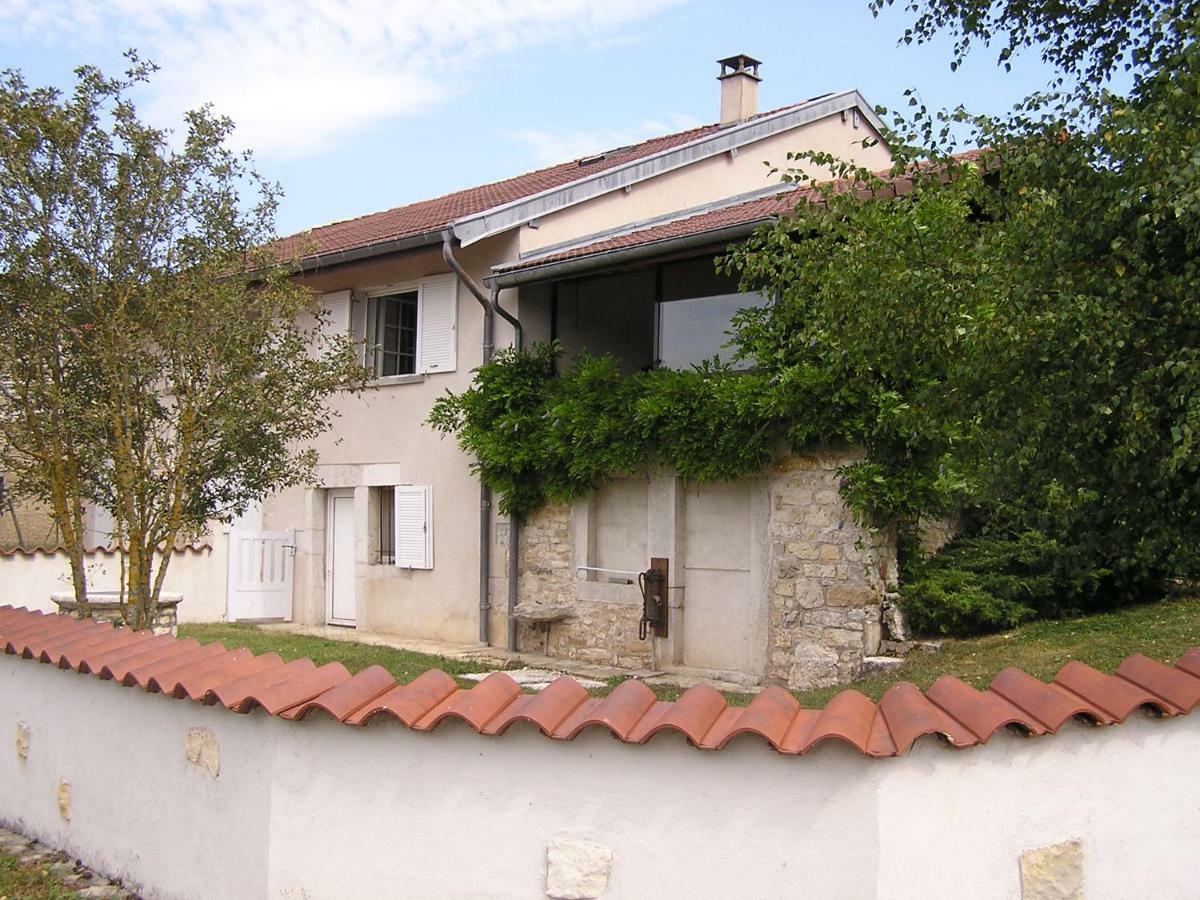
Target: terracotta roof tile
x=1117 y=697
x=408 y=703
x=546 y=710
x=345 y=698
x=437 y=213
x=619 y=712
x=241 y=694
x=1190 y=662
x=476 y=707
x=139 y=670
x=909 y=715
x=963 y=716
x=97 y=663
x=1177 y=687
x=1050 y=704
x=982 y=712
x=692 y=715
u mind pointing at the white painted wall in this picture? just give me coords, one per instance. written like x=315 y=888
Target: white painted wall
x=199 y=575
x=321 y=810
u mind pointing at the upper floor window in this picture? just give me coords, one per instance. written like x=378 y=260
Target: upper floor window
x=396 y=334
x=695 y=314
x=405 y=329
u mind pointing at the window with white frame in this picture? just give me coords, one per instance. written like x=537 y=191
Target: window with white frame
x=384 y=503
x=410 y=328
x=396 y=334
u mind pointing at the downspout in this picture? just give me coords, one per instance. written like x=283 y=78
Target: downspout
x=485 y=493
x=514 y=521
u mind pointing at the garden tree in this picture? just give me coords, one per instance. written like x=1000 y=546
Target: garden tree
x=1085 y=42
x=1013 y=335
x=1022 y=343
x=155 y=357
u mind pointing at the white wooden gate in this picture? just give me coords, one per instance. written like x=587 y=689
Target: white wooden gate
x=261 y=567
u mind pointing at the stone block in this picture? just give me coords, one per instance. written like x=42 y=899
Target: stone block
x=1053 y=873
x=202 y=751
x=577 y=870
x=894 y=623
x=847 y=597
x=63 y=796
x=22 y=740
x=880 y=665
x=814 y=665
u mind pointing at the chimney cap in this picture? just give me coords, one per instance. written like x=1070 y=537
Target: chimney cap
x=741 y=64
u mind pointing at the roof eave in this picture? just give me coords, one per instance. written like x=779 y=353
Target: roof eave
x=368 y=251
x=478 y=226
x=624 y=255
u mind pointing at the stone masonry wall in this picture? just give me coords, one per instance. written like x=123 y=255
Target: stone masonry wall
x=595 y=631
x=827 y=576
x=826 y=581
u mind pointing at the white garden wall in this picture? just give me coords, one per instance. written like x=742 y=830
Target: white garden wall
x=321 y=810
x=199 y=573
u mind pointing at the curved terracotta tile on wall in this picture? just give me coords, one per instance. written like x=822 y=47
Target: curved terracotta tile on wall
x=237 y=693
x=619 y=712
x=1116 y=696
x=408 y=703
x=546 y=710
x=240 y=681
x=219 y=669
x=1178 y=688
x=692 y=715
x=982 y=712
x=476 y=706
x=768 y=716
x=848 y=717
x=96 y=664
x=1190 y=662
x=291 y=691
x=342 y=700
x=144 y=669
x=910 y=715
x=1050 y=704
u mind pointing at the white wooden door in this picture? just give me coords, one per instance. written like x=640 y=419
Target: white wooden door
x=722 y=617
x=339 y=559
x=260 y=574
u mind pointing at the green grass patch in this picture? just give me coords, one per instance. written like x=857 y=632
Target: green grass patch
x=405 y=665
x=29 y=882
x=1161 y=631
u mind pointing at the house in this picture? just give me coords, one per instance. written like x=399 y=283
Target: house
x=768 y=577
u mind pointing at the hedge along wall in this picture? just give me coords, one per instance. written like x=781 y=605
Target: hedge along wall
x=184 y=800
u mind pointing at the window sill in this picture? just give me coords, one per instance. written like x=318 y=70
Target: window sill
x=389 y=380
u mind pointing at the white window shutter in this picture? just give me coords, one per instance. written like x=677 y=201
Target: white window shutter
x=359 y=328
x=414 y=526
x=336 y=307
x=437 y=326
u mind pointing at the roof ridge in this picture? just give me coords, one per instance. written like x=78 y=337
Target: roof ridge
x=240 y=681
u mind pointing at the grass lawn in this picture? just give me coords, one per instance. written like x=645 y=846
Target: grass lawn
x=1161 y=631
x=32 y=882
x=405 y=665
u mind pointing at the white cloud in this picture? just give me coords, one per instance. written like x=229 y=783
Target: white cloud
x=296 y=75
x=554 y=146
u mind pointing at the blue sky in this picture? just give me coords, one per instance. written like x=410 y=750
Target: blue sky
x=359 y=105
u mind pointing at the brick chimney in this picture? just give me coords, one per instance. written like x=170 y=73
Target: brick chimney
x=739 y=88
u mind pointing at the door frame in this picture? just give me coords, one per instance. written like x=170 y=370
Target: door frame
x=331 y=495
